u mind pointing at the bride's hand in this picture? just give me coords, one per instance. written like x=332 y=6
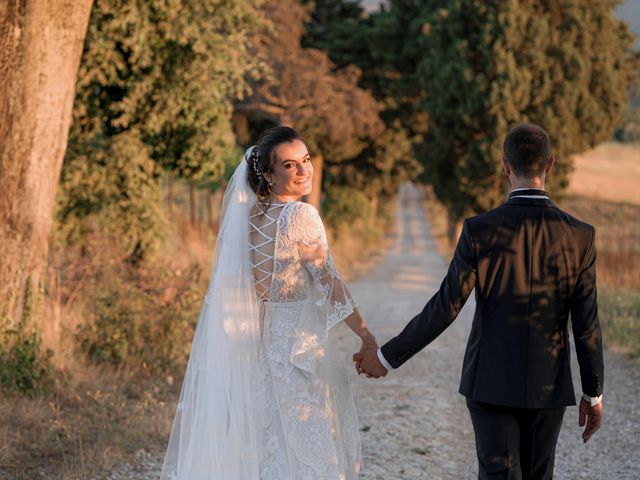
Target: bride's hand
x=368 y=343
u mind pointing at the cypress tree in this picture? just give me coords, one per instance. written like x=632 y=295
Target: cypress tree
x=490 y=64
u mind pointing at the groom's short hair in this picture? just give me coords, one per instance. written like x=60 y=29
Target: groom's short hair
x=527 y=148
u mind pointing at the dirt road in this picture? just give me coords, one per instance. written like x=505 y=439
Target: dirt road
x=414 y=423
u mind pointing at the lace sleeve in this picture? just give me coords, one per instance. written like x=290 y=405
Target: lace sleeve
x=314 y=252
x=332 y=301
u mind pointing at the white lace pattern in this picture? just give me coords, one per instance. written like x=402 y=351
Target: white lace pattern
x=311 y=429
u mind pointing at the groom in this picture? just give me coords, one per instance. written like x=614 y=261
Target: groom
x=531 y=265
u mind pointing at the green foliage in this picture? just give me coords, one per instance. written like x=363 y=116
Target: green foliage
x=457 y=74
x=169 y=70
x=155 y=91
x=143 y=320
x=462 y=148
x=22 y=363
x=489 y=65
x=382 y=166
x=304 y=89
x=345 y=205
x=110 y=185
x=630 y=131
x=384 y=160
x=384 y=45
x=330 y=25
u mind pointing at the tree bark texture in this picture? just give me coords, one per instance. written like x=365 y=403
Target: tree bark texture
x=375 y=202
x=192 y=204
x=314 y=197
x=454 y=229
x=170 y=195
x=41 y=45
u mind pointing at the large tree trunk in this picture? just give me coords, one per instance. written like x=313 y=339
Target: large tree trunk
x=40 y=49
x=314 y=197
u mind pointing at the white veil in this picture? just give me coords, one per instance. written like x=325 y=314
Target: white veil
x=217 y=431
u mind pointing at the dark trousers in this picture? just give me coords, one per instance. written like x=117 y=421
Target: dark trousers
x=515 y=443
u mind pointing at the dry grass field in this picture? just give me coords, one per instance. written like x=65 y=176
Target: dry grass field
x=86 y=418
x=610 y=172
x=605 y=191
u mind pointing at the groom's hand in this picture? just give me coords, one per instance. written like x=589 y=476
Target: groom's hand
x=367 y=362
x=592 y=416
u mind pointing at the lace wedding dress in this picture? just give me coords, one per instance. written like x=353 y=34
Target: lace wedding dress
x=311 y=428
x=265 y=395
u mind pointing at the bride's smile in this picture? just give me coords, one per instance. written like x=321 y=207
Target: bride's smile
x=292 y=172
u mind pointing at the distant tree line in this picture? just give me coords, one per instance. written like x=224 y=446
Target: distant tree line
x=458 y=73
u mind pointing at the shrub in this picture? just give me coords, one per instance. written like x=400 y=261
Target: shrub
x=345 y=205
x=143 y=319
x=21 y=362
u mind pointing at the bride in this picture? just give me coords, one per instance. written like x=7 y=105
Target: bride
x=264 y=395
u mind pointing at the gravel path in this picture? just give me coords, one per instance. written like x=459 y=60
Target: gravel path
x=414 y=423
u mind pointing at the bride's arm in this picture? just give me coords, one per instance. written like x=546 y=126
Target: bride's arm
x=357 y=324
x=314 y=251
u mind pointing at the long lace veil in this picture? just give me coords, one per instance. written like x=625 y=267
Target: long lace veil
x=218 y=426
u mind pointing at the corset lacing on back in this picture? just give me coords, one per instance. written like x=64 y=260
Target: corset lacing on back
x=263 y=252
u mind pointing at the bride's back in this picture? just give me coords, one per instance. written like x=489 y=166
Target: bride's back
x=263 y=227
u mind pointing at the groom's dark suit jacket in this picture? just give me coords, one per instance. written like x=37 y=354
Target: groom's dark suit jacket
x=531 y=265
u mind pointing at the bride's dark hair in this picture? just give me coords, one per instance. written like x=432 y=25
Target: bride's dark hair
x=262 y=158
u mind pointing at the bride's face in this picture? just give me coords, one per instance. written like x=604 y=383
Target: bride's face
x=292 y=173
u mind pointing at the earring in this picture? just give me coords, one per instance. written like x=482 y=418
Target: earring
x=270 y=184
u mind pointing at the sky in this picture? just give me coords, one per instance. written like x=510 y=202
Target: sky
x=629 y=10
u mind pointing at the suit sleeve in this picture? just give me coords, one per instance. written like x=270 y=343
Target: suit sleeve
x=586 y=327
x=442 y=309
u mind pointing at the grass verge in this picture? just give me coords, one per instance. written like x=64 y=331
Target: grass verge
x=87 y=417
x=620 y=320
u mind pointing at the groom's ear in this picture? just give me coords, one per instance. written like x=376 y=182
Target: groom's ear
x=506 y=167
x=549 y=165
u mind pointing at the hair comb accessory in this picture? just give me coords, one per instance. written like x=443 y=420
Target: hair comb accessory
x=255 y=158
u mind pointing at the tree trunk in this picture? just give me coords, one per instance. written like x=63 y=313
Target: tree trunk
x=217 y=205
x=314 y=197
x=209 y=207
x=40 y=49
x=241 y=127
x=454 y=229
x=192 y=204
x=170 y=195
x=375 y=201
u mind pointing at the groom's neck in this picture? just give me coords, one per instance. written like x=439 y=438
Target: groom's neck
x=536 y=182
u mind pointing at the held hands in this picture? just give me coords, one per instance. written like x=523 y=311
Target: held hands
x=592 y=416
x=366 y=359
